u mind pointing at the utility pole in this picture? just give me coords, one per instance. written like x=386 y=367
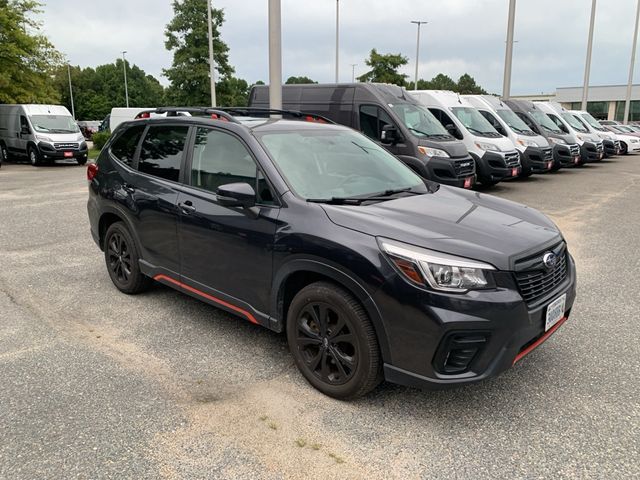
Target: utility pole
x=353 y=70
x=508 y=56
x=587 y=66
x=73 y=110
x=126 y=88
x=212 y=76
x=337 y=38
x=275 y=55
x=417 y=22
x=627 y=102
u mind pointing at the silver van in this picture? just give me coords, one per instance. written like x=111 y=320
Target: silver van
x=41 y=134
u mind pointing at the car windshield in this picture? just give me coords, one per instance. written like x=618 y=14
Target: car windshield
x=327 y=164
x=592 y=121
x=419 y=120
x=54 y=123
x=544 y=121
x=574 y=122
x=514 y=122
x=624 y=128
x=474 y=122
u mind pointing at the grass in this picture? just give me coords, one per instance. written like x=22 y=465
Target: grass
x=93 y=153
x=301 y=442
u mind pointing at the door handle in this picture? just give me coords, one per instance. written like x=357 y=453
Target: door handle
x=128 y=188
x=187 y=207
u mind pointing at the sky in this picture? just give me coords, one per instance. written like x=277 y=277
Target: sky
x=461 y=36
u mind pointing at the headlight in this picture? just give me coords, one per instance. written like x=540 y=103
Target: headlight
x=557 y=141
x=633 y=140
x=439 y=271
x=527 y=143
x=80 y=137
x=432 y=152
x=581 y=137
x=43 y=138
x=487 y=146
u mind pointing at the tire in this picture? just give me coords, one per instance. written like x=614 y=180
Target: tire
x=122 y=260
x=4 y=153
x=318 y=315
x=81 y=160
x=624 y=149
x=34 y=156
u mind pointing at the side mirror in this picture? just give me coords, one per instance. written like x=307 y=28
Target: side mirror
x=389 y=134
x=451 y=128
x=236 y=195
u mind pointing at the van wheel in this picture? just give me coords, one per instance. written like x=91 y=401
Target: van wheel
x=122 y=259
x=34 y=156
x=81 y=160
x=4 y=153
x=333 y=342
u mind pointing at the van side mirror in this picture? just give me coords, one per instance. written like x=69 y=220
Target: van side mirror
x=389 y=134
x=451 y=128
x=25 y=130
x=236 y=195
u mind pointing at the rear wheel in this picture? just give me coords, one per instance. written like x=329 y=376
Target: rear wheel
x=333 y=342
x=122 y=259
x=81 y=160
x=623 y=148
x=34 y=156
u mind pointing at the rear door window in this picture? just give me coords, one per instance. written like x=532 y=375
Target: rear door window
x=162 y=150
x=124 y=147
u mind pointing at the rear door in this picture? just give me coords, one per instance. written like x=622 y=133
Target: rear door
x=226 y=252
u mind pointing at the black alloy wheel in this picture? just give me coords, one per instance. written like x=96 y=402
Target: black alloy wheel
x=121 y=257
x=333 y=341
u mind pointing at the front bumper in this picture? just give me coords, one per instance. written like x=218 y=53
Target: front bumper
x=567 y=155
x=49 y=151
x=611 y=148
x=424 y=322
x=537 y=159
x=494 y=166
x=457 y=172
x=592 y=152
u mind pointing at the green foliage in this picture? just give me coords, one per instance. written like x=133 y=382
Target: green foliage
x=99 y=139
x=384 y=68
x=298 y=80
x=187 y=37
x=232 y=92
x=27 y=58
x=96 y=91
x=466 y=84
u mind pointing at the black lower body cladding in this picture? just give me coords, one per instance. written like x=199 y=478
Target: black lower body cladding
x=494 y=167
x=592 y=152
x=457 y=172
x=536 y=160
x=567 y=155
x=611 y=148
x=49 y=152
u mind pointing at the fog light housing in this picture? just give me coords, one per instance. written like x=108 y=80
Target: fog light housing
x=458 y=350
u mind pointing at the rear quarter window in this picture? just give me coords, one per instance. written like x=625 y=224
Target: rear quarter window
x=124 y=147
x=161 y=151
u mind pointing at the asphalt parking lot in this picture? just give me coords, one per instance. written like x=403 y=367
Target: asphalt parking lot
x=97 y=384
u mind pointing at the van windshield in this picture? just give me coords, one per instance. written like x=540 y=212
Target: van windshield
x=574 y=122
x=328 y=164
x=544 y=121
x=514 y=122
x=592 y=121
x=419 y=120
x=54 y=123
x=474 y=122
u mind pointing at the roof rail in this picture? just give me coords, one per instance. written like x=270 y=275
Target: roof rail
x=251 y=111
x=215 y=113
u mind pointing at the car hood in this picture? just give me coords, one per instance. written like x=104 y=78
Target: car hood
x=454 y=221
x=455 y=148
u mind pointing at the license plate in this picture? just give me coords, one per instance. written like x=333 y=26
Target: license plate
x=514 y=172
x=555 y=311
x=549 y=164
x=468 y=182
x=68 y=154
x=576 y=160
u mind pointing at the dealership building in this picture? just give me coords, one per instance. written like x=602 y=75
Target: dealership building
x=606 y=102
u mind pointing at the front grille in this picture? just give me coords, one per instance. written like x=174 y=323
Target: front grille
x=512 y=159
x=547 y=153
x=66 y=146
x=574 y=149
x=535 y=280
x=464 y=168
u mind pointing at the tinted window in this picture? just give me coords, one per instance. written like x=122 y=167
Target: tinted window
x=220 y=158
x=161 y=152
x=124 y=147
x=372 y=120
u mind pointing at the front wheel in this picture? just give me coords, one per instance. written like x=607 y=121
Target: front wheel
x=624 y=149
x=34 y=156
x=122 y=259
x=333 y=342
x=81 y=160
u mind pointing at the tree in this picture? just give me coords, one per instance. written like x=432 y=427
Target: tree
x=187 y=36
x=467 y=85
x=298 y=80
x=232 y=92
x=27 y=58
x=384 y=68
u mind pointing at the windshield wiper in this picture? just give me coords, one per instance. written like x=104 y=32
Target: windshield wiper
x=378 y=196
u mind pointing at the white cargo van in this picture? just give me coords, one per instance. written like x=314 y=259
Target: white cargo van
x=611 y=143
x=591 y=146
x=536 y=155
x=495 y=155
x=41 y=134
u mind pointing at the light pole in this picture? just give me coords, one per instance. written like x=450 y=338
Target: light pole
x=212 y=76
x=627 y=102
x=587 y=66
x=73 y=110
x=417 y=22
x=353 y=70
x=126 y=88
x=337 y=37
x=508 y=56
x=275 y=55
